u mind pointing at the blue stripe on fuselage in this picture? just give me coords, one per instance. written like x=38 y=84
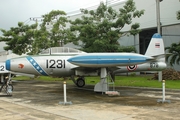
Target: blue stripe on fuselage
x=36 y=66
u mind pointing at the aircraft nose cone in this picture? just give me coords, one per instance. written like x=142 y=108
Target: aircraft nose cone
x=8 y=65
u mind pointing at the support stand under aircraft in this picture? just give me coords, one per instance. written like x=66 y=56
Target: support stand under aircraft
x=102 y=86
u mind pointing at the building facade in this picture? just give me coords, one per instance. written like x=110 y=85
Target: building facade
x=170 y=26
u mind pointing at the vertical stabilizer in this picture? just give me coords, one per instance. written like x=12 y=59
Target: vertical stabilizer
x=156 y=46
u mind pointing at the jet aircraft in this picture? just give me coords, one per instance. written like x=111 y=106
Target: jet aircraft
x=69 y=62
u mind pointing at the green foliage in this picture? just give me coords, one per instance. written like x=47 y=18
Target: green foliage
x=133 y=74
x=174 y=49
x=135 y=81
x=33 y=38
x=134 y=29
x=178 y=15
x=51 y=32
x=19 y=39
x=100 y=29
x=127 y=49
x=43 y=78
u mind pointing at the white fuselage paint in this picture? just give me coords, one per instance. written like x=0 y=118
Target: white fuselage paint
x=59 y=66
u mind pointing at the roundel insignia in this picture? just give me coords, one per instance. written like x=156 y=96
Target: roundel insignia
x=132 y=68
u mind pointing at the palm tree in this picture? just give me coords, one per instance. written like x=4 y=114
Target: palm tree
x=174 y=57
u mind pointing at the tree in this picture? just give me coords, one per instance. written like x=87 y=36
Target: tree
x=174 y=49
x=178 y=15
x=19 y=39
x=100 y=29
x=52 y=31
x=33 y=38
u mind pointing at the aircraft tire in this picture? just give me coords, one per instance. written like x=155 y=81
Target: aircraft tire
x=10 y=87
x=5 y=88
x=80 y=82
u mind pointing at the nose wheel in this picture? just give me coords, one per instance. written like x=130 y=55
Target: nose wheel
x=80 y=82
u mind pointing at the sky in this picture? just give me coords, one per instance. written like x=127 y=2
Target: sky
x=14 y=11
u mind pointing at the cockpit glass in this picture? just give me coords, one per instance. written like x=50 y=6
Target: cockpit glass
x=60 y=50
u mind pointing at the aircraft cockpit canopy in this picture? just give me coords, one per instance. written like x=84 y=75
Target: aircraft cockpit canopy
x=60 y=50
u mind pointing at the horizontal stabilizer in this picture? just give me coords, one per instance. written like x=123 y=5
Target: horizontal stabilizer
x=161 y=56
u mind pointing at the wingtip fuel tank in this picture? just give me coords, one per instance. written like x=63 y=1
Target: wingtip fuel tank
x=108 y=59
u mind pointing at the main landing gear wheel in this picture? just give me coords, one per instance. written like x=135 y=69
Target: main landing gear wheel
x=80 y=82
x=9 y=89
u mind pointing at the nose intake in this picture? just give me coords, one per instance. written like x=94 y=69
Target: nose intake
x=8 y=65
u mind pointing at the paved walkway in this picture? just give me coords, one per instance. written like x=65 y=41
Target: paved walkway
x=38 y=100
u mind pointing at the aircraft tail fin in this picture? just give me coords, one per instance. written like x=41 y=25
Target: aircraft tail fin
x=156 y=47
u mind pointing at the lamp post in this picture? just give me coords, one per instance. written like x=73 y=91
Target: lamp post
x=158 y=29
x=158 y=16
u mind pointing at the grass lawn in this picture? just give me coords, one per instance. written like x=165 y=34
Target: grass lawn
x=135 y=81
x=138 y=81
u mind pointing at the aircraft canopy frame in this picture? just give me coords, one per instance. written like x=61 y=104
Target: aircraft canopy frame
x=60 y=50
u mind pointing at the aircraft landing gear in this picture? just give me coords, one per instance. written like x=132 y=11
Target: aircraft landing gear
x=80 y=82
x=7 y=86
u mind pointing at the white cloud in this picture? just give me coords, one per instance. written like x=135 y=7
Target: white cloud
x=13 y=11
